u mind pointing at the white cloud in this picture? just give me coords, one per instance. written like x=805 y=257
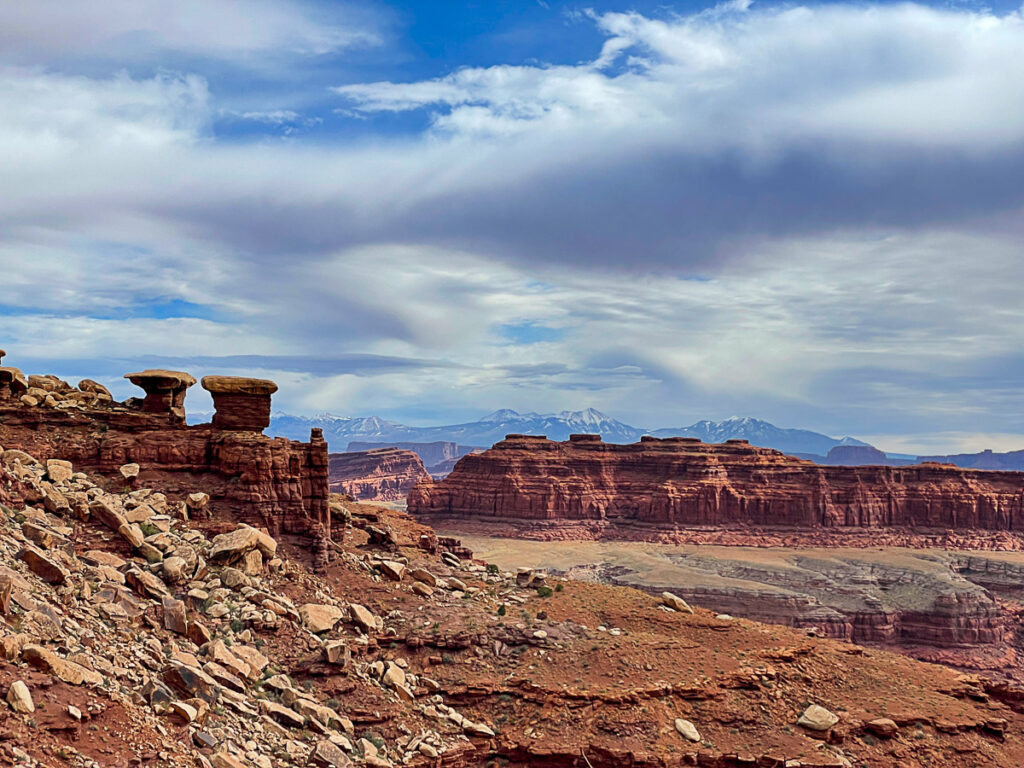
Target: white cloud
x=803 y=214
x=755 y=79
x=41 y=30
x=48 y=116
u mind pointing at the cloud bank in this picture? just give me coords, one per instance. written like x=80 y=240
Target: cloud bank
x=804 y=213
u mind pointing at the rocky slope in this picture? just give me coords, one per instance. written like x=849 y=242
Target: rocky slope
x=132 y=635
x=585 y=487
x=381 y=474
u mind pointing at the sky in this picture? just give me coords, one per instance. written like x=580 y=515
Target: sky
x=809 y=213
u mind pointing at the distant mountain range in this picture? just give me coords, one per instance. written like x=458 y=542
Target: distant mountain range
x=340 y=431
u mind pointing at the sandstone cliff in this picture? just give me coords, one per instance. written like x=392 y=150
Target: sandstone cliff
x=272 y=482
x=382 y=474
x=680 y=482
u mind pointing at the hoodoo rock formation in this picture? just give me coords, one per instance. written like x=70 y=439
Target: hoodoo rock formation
x=276 y=483
x=383 y=474
x=674 y=483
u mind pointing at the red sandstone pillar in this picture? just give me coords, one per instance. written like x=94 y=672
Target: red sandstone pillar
x=319 y=461
x=242 y=404
x=165 y=391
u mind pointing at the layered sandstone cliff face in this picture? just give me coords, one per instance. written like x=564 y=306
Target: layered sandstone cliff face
x=382 y=474
x=678 y=482
x=276 y=483
x=439 y=457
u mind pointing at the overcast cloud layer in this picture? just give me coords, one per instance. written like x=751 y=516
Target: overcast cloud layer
x=806 y=213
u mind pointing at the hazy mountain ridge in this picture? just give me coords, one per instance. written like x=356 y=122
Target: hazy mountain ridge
x=339 y=431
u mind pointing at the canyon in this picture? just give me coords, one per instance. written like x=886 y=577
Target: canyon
x=379 y=474
x=196 y=597
x=924 y=559
x=955 y=607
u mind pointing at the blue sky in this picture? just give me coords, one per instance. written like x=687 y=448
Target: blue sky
x=804 y=212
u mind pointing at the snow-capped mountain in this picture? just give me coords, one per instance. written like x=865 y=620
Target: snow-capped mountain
x=759 y=433
x=339 y=431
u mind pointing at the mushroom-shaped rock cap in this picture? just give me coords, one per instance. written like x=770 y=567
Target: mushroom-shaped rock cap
x=165 y=390
x=238 y=385
x=2 y=353
x=157 y=378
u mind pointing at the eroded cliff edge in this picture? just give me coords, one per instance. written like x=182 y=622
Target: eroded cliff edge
x=379 y=474
x=663 y=485
x=275 y=483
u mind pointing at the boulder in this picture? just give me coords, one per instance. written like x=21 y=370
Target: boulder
x=423 y=575
x=394 y=571
x=328 y=755
x=281 y=714
x=337 y=653
x=59 y=471
x=675 y=602
x=817 y=718
x=230 y=546
x=175 y=618
x=224 y=760
x=68 y=671
x=883 y=727
x=43 y=567
x=362 y=617
x=20 y=698
x=106 y=513
x=319 y=618
x=687 y=730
